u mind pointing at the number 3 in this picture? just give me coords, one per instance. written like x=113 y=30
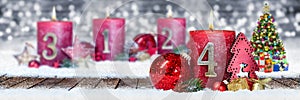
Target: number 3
x=51 y=46
x=211 y=63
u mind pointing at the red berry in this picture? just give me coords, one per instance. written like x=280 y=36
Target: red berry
x=219 y=86
x=222 y=88
x=34 y=64
x=56 y=64
x=132 y=59
x=216 y=85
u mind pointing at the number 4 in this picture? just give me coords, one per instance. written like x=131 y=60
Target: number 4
x=211 y=63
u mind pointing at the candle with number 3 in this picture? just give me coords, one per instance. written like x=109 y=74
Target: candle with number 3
x=211 y=54
x=52 y=36
x=171 y=33
x=109 y=36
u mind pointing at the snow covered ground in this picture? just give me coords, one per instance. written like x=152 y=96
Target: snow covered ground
x=118 y=69
x=148 y=94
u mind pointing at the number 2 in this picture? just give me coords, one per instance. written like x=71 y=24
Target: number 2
x=211 y=63
x=165 y=44
x=51 y=46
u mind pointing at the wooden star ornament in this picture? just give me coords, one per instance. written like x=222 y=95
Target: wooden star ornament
x=79 y=50
x=25 y=57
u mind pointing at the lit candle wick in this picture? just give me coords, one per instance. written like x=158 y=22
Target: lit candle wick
x=211 y=21
x=169 y=13
x=54 y=14
x=107 y=12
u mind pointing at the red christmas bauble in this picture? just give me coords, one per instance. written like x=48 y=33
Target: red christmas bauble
x=145 y=42
x=34 y=64
x=219 y=86
x=169 y=69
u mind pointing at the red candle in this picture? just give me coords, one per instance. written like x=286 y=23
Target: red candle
x=171 y=33
x=221 y=42
x=52 y=36
x=109 y=35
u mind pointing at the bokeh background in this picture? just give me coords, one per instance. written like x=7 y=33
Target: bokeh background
x=18 y=17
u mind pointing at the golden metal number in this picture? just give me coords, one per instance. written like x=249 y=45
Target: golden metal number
x=164 y=33
x=51 y=46
x=106 y=41
x=211 y=63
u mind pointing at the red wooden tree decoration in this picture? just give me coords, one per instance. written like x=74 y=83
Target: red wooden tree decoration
x=242 y=51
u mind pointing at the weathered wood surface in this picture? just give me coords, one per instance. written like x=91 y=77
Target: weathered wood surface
x=112 y=83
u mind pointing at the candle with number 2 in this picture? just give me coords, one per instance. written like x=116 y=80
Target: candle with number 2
x=109 y=36
x=52 y=36
x=211 y=54
x=171 y=33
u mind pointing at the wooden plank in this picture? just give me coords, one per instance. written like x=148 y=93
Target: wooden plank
x=108 y=83
x=35 y=84
x=283 y=85
x=288 y=82
x=89 y=83
x=4 y=78
x=48 y=83
x=296 y=80
x=29 y=83
x=67 y=83
x=144 y=83
x=273 y=85
x=12 y=82
x=75 y=84
x=128 y=83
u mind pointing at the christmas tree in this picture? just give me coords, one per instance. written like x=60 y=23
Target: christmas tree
x=269 y=51
x=242 y=60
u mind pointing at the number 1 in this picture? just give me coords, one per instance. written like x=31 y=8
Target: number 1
x=106 y=41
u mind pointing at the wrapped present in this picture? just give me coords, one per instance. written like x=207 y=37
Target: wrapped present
x=238 y=84
x=268 y=66
x=260 y=84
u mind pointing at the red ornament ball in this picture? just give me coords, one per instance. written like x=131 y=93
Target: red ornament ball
x=169 y=69
x=219 y=86
x=34 y=64
x=98 y=56
x=146 y=42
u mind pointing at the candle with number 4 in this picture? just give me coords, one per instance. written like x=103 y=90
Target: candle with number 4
x=171 y=33
x=211 y=54
x=52 y=36
x=109 y=36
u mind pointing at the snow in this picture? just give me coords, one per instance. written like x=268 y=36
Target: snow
x=149 y=94
x=116 y=69
x=105 y=69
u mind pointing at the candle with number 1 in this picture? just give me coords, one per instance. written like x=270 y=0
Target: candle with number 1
x=171 y=33
x=211 y=54
x=52 y=36
x=109 y=36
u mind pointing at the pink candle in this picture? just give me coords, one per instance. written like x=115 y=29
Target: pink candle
x=171 y=33
x=52 y=36
x=109 y=36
